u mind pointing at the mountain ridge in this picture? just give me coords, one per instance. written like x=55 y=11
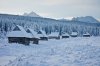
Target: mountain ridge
x=86 y=19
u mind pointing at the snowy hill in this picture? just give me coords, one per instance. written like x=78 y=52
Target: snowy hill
x=31 y=14
x=88 y=19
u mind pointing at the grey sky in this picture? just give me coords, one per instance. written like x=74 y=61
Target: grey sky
x=52 y=8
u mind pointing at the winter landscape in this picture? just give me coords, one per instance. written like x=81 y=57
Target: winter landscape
x=71 y=51
x=80 y=51
x=61 y=33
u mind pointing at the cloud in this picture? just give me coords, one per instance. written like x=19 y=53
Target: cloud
x=52 y=2
x=52 y=8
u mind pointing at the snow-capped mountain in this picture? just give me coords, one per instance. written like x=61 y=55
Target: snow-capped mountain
x=66 y=19
x=88 y=19
x=31 y=14
x=63 y=19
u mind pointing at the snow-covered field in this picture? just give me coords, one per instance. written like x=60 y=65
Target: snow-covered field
x=80 y=51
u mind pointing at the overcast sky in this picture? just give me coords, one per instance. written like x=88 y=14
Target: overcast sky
x=52 y=8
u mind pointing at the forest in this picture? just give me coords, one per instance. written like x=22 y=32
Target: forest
x=8 y=22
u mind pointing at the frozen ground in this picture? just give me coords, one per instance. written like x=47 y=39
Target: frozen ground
x=65 y=52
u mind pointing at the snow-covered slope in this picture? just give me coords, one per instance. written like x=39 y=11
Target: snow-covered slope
x=65 y=52
x=66 y=19
x=31 y=14
x=88 y=19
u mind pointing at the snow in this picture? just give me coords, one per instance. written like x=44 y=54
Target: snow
x=34 y=34
x=43 y=34
x=86 y=34
x=6 y=59
x=31 y=14
x=79 y=51
x=74 y=33
x=20 y=33
x=88 y=19
x=65 y=34
x=8 y=22
x=54 y=34
x=21 y=28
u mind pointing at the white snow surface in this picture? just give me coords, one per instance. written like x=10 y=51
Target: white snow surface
x=65 y=34
x=43 y=34
x=21 y=33
x=54 y=34
x=74 y=33
x=79 y=51
x=86 y=34
x=33 y=33
x=18 y=34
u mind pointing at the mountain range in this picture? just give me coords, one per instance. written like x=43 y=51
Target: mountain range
x=88 y=19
